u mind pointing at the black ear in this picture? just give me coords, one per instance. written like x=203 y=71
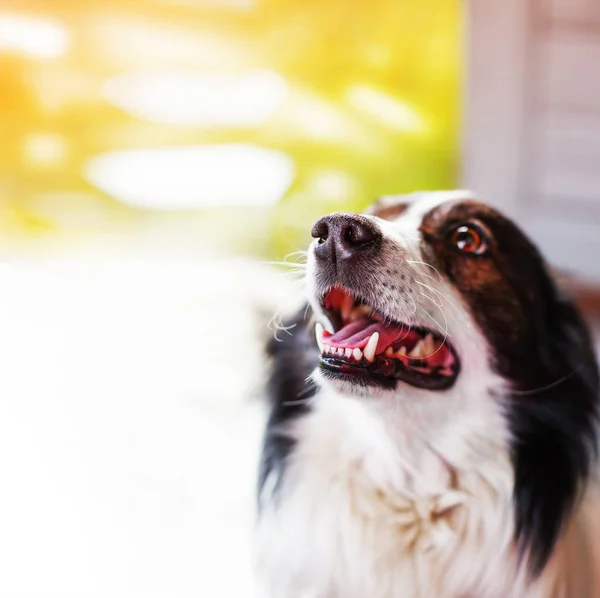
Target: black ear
x=293 y=355
x=554 y=427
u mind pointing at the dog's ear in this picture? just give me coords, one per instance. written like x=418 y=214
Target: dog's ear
x=554 y=426
x=293 y=355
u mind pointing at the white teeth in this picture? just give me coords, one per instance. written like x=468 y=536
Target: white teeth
x=319 y=334
x=339 y=351
x=401 y=352
x=429 y=345
x=371 y=347
x=417 y=350
x=389 y=352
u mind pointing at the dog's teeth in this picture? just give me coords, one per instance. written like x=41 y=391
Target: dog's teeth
x=417 y=350
x=341 y=351
x=389 y=352
x=319 y=334
x=371 y=347
x=357 y=354
x=327 y=349
x=401 y=352
x=429 y=345
x=348 y=353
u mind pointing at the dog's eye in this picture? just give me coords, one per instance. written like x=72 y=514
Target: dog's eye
x=469 y=239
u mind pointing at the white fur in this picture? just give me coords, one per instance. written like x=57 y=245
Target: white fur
x=404 y=493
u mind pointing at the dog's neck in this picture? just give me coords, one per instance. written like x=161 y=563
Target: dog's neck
x=458 y=425
x=434 y=475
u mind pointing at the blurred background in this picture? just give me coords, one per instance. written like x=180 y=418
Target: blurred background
x=157 y=159
x=228 y=123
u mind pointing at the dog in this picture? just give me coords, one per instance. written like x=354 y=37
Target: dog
x=433 y=415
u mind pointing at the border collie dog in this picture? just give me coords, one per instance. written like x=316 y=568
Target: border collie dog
x=433 y=421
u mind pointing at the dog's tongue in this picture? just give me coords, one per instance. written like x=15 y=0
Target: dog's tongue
x=357 y=334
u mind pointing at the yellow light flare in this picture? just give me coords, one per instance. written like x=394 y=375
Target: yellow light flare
x=355 y=99
x=243 y=5
x=44 y=149
x=36 y=37
x=133 y=43
x=388 y=110
x=185 y=98
x=193 y=177
x=332 y=185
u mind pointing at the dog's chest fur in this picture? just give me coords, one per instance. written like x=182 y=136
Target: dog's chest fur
x=391 y=504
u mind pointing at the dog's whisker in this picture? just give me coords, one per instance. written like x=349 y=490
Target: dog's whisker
x=300 y=252
x=533 y=391
x=439 y=303
x=306 y=309
x=443 y=328
x=414 y=310
x=428 y=266
x=442 y=297
x=296 y=265
x=276 y=325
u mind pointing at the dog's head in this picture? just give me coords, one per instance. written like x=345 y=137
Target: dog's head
x=430 y=289
x=428 y=296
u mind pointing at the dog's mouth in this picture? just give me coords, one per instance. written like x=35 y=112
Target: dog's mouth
x=368 y=349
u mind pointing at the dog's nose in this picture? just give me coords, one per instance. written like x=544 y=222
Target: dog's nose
x=344 y=236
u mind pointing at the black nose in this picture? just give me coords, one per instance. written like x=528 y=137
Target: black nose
x=344 y=236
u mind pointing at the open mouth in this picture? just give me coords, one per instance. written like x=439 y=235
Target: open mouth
x=368 y=349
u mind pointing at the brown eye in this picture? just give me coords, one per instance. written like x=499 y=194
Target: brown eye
x=469 y=239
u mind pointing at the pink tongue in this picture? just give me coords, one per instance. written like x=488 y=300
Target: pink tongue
x=357 y=334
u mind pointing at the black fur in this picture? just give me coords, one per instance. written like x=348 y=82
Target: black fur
x=294 y=355
x=542 y=347
x=555 y=428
